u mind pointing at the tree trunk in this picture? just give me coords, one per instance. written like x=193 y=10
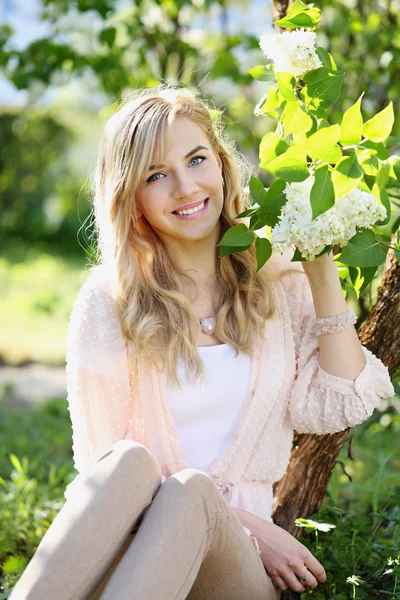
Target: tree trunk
x=301 y=491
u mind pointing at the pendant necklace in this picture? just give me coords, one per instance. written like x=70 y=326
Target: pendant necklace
x=208 y=325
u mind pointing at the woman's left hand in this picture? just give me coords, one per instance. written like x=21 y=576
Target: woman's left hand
x=283 y=556
x=285 y=559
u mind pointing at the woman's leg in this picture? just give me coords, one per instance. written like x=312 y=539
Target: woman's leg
x=190 y=544
x=92 y=526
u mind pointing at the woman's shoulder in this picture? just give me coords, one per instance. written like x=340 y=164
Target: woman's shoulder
x=95 y=299
x=94 y=337
x=98 y=285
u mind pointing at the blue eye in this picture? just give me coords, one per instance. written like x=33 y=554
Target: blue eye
x=150 y=179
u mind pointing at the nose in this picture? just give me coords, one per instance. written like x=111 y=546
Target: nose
x=185 y=186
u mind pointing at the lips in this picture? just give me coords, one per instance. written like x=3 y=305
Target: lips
x=189 y=206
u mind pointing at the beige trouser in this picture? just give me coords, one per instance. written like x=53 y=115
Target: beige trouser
x=124 y=536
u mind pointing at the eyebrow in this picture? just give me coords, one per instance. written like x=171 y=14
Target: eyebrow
x=152 y=167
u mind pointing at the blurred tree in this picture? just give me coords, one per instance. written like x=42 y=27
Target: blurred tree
x=32 y=170
x=137 y=44
x=128 y=47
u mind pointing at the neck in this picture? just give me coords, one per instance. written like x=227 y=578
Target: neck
x=197 y=258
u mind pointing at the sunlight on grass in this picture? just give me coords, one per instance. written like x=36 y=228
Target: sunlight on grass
x=34 y=309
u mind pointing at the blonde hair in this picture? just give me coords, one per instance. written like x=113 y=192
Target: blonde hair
x=154 y=314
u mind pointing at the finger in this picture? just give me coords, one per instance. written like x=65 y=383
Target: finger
x=310 y=581
x=293 y=583
x=280 y=583
x=315 y=567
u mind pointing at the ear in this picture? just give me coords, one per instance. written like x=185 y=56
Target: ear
x=219 y=160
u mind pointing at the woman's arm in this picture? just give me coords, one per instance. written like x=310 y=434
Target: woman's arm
x=283 y=556
x=97 y=372
x=333 y=389
x=339 y=354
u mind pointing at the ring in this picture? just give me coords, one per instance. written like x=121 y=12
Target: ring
x=303 y=578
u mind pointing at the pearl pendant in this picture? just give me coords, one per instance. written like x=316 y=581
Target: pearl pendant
x=208 y=325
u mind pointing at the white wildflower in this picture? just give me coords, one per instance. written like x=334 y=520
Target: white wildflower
x=292 y=51
x=336 y=226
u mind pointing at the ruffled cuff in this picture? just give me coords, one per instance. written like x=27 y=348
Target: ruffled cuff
x=323 y=403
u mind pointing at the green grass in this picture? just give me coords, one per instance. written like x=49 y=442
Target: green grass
x=36 y=466
x=37 y=297
x=36 y=449
x=372 y=477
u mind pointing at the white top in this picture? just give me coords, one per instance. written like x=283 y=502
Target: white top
x=205 y=415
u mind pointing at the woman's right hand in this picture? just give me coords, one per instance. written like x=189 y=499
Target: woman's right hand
x=284 y=557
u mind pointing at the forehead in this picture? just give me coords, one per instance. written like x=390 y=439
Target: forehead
x=178 y=138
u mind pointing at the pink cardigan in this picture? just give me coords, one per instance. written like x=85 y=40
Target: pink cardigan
x=109 y=400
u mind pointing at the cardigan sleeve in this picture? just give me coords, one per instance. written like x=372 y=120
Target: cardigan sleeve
x=319 y=401
x=98 y=386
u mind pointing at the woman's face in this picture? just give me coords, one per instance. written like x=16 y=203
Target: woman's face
x=190 y=174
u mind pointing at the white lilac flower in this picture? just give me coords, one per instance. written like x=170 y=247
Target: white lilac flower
x=292 y=51
x=335 y=226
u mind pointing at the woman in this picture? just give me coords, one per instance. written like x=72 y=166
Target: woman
x=187 y=374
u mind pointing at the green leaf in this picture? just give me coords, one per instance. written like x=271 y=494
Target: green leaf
x=237 y=236
x=382 y=195
x=290 y=166
x=16 y=464
x=392 y=162
x=361 y=277
x=322 y=195
x=14 y=564
x=268 y=102
x=263 y=251
x=299 y=16
x=286 y=85
x=380 y=126
x=295 y=119
x=363 y=250
x=326 y=59
x=382 y=177
x=381 y=150
x=262 y=72
x=246 y=213
x=323 y=84
x=271 y=146
x=270 y=208
x=352 y=125
x=257 y=190
x=296 y=7
x=366 y=158
x=322 y=145
x=107 y=36
x=346 y=175
x=226 y=250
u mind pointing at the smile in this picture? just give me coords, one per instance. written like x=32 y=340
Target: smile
x=193 y=213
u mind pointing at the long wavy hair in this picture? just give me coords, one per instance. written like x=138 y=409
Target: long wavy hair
x=153 y=311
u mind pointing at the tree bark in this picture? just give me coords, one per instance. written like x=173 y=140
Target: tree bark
x=301 y=491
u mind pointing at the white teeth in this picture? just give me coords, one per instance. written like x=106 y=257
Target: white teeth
x=191 y=210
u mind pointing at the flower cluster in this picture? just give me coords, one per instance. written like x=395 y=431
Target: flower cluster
x=336 y=226
x=292 y=51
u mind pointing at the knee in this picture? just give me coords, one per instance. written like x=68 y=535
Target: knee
x=193 y=484
x=130 y=456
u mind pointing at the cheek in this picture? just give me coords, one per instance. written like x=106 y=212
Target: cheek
x=155 y=206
